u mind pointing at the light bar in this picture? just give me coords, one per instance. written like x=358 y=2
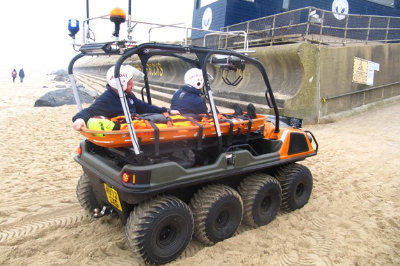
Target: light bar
x=98 y=48
x=228 y=61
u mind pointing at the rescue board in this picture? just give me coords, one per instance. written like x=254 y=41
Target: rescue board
x=177 y=128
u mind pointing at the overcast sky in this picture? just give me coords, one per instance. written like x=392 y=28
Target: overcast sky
x=34 y=33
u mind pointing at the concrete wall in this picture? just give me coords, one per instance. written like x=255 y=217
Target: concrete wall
x=304 y=99
x=340 y=94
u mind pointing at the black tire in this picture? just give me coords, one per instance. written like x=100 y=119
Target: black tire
x=159 y=230
x=85 y=194
x=261 y=196
x=296 y=183
x=217 y=212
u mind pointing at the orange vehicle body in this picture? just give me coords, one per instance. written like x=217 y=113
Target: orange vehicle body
x=284 y=135
x=185 y=130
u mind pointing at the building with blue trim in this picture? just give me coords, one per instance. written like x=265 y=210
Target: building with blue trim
x=216 y=14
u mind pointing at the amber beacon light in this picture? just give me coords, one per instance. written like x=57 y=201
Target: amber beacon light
x=117 y=16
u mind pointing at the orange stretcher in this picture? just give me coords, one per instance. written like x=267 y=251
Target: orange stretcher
x=183 y=128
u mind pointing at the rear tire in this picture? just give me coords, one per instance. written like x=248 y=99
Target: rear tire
x=85 y=194
x=261 y=196
x=217 y=211
x=159 y=230
x=296 y=182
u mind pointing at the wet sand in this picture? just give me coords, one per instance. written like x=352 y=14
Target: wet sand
x=352 y=217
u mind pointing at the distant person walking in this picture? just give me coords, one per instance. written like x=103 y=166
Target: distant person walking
x=21 y=75
x=14 y=74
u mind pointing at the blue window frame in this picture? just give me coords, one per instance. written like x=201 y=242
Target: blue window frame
x=389 y=3
x=285 y=5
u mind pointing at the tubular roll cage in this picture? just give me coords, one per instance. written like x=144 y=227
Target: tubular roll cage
x=204 y=55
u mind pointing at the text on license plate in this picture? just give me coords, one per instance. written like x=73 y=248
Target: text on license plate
x=112 y=196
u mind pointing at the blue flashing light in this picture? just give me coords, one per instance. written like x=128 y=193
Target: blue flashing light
x=73 y=27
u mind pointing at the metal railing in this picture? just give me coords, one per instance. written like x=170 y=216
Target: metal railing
x=314 y=25
x=305 y=24
x=184 y=33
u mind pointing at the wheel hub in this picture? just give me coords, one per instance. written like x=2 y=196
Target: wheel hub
x=222 y=219
x=167 y=235
x=266 y=204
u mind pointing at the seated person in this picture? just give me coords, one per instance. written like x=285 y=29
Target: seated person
x=108 y=104
x=188 y=99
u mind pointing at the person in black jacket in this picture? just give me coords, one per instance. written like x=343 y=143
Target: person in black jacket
x=188 y=99
x=108 y=104
x=21 y=75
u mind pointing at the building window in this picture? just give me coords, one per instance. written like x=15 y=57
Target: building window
x=389 y=3
x=201 y=3
x=285 y=5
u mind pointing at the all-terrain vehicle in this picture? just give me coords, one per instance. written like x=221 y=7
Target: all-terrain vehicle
x=246 y=176
x=169 y=183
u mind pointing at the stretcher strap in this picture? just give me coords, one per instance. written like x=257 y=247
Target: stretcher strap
x=169 y=119
x=248 y=129
x=230 y=136
x=156 y=137
x=230 y=133
x=199 y=146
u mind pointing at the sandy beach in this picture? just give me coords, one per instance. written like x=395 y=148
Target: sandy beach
x=352 y=218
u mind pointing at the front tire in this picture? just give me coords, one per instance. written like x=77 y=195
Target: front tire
x=296 y=181
x=159 y=230
x=217 y=211
x=85 y=194
x=261 y=196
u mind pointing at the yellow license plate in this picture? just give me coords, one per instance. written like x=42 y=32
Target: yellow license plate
x=112 y=196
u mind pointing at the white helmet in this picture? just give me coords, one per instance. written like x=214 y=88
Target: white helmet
x=126 y=72
x=194 y=77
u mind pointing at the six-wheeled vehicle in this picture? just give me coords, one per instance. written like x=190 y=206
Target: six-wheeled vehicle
x=237 y=168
